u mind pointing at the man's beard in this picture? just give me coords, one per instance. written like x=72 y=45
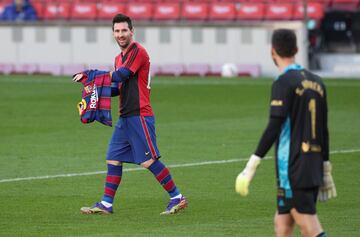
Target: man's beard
x=124 y=46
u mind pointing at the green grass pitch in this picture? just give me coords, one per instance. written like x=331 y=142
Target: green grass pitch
x=197 y=120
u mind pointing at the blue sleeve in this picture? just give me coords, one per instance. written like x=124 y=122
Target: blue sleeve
x=269 y=136
x=114 y=89
x=121 y=75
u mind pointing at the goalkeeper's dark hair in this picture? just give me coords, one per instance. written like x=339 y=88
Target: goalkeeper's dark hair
x=284 y=43
x=122 y=18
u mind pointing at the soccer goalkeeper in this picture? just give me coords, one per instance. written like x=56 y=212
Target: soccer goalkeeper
x=298 y=126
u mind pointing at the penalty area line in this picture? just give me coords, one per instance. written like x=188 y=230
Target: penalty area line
x=140 y=168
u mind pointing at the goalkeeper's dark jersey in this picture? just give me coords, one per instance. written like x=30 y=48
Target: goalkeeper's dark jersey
x=299 y=97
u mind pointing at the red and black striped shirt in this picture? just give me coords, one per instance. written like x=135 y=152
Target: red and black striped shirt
x=135 y=92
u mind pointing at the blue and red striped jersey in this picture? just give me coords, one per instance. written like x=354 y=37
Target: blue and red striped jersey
x=96 y=97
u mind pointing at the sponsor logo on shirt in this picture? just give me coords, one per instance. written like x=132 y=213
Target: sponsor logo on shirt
x=276 y=103
x=94 y=98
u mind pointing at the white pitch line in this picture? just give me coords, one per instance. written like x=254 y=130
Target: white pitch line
x=140 y=168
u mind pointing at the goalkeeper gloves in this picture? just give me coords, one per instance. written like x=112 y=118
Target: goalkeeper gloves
x=327 y=189
x=244 y=178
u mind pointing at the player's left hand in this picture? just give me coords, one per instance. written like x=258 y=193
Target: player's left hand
x=327 y=189
x=244 y=178
x=77 y=77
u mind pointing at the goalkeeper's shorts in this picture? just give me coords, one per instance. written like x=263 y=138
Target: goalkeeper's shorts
x=303 y=200
x=133 y=140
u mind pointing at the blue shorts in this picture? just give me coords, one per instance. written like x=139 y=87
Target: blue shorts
x=133 y=140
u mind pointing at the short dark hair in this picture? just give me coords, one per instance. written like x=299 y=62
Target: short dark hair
x=284 y=42
x=122 y=18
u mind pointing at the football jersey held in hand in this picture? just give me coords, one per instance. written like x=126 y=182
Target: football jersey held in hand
x=96 y=97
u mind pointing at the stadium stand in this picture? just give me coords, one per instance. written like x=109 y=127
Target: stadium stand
x=195 y=11
x=56 y=11
x=167 y=11
x=251 y=11
x=107 y=10
x=337 y=24
x=83 y=11
x=211 y=10
x=348 y=5
x=279 y=11
x=222 y=11
x=140 y=10
x=315 y=10
x=39 y=8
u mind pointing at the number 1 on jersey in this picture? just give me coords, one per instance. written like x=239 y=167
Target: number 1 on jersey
x=312 y=109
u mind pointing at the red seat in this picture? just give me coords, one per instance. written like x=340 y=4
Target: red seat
x=167 y=11
x=222 y=11
x=285 y=1
x=346 y=1
x=57 y=11
x=109 y=10
x=39 y=8
x=139 y=10
x=348 y=5
x=251 y=11
x=51 y=11
x=314 y=11
x=64 y=10
x=279 y=11
x=84 y=11
x=195 y=11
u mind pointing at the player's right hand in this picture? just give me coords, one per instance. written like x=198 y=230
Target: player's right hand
x=327 y=189
x=77 y=77
x=244 y=178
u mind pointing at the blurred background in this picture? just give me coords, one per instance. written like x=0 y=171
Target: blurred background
x=183 y=37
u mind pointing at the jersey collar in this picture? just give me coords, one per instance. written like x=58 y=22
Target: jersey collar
x=129 y=48
x=293 y=66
